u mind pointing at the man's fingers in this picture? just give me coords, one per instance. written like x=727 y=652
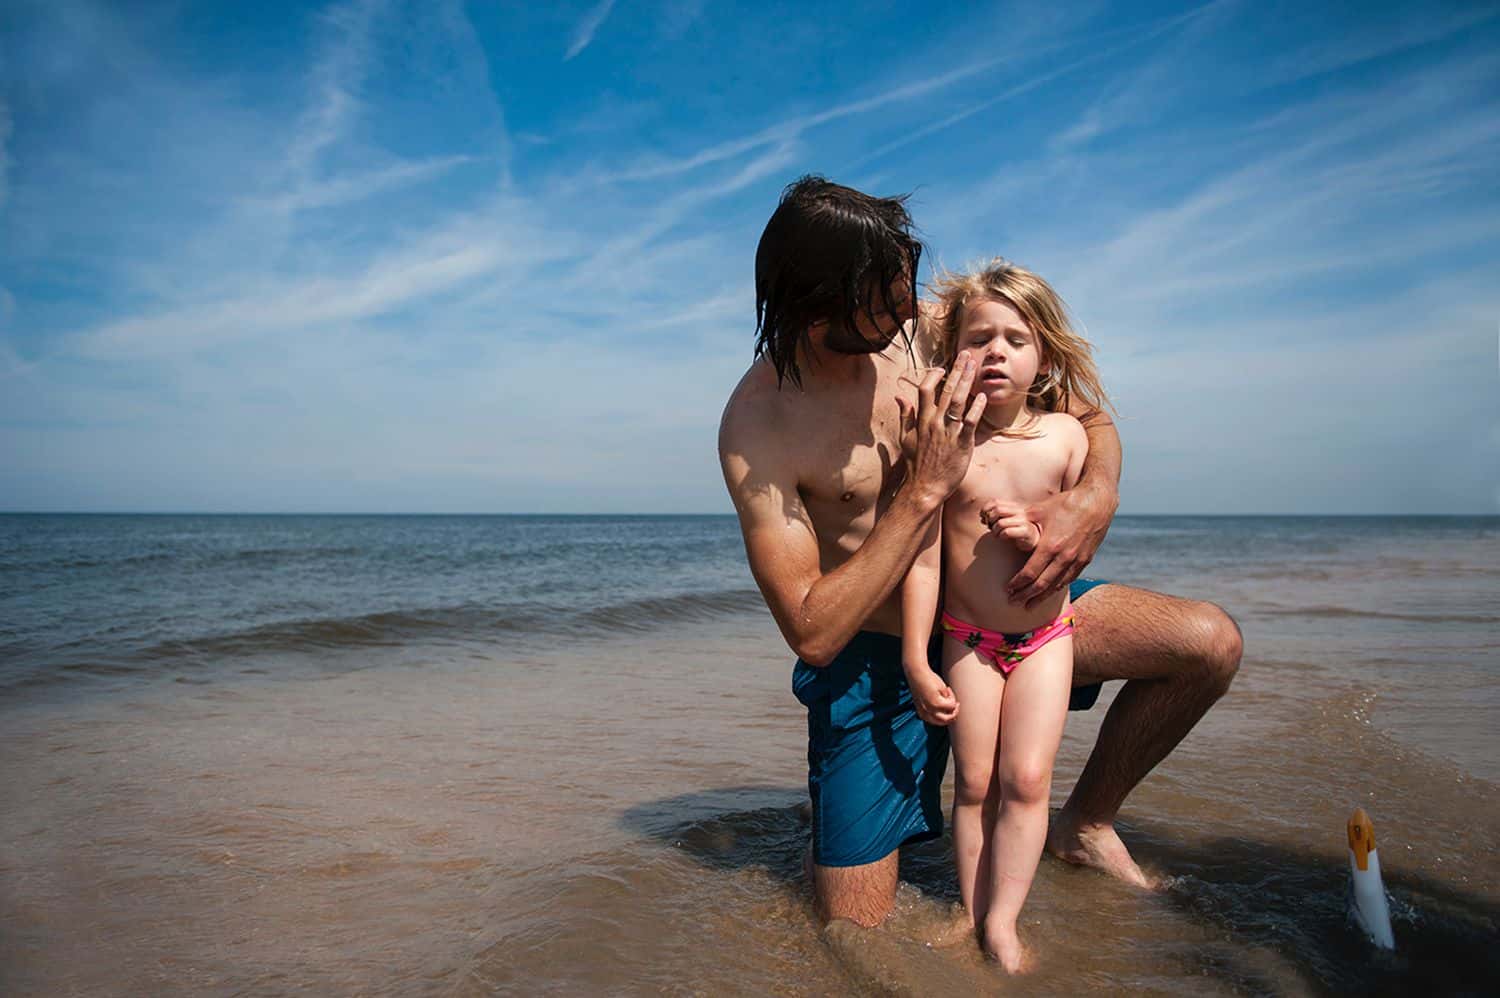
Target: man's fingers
x=1023 y=580
x=976 y=411
x=954 y=410
x=908 y=414
x=926 y=390
x=1044 y=584
x=950 y=383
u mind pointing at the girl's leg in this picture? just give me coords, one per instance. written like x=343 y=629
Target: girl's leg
x=1031 y=724
x=975 y=733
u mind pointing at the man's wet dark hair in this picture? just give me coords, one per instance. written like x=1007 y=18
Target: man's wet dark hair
x=827 y=254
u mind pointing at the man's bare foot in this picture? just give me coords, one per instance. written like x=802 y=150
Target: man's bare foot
x=1004 y=946
x=1097 y=846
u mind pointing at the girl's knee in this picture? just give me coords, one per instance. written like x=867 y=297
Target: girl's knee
x=971 y=784
x=1026 y=781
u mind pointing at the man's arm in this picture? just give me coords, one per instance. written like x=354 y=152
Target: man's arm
x=819 y=613
x=1073 y=523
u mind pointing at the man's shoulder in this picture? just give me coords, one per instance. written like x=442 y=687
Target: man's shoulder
x=754 y=406
x=926 y=334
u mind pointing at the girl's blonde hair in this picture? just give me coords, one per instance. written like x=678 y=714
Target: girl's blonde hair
x=1071 y=374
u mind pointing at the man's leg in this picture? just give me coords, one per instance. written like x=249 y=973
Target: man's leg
x=863 y=894
x=1178 y=657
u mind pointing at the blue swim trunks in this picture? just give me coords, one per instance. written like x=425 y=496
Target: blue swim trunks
x=874 y=768
x=1084 y=697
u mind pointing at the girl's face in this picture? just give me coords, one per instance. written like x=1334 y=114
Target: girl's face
x=1007 y=355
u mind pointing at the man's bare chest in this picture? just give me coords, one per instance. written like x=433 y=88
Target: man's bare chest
x=848 y=463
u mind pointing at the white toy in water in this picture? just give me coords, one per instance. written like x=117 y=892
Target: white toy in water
x=1370 y=909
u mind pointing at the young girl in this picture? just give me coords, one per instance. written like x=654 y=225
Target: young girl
x=1010 y=667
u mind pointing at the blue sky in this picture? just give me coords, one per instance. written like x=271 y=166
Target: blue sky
x=446 y=257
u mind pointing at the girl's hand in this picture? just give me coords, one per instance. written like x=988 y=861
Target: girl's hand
x=1009 y=520
x=932 y=697
x=1073 y=524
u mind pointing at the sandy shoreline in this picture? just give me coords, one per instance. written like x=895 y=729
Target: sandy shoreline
x=624 y=814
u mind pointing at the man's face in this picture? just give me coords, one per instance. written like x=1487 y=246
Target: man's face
x=876 y=326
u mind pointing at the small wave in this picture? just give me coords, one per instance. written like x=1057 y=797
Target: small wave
x=328 y=634
x=397 y=627
x=650 y=613
x=469 y=622
x=1335 y=612
x=194 y=558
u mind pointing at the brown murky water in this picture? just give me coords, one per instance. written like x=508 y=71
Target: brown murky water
x=624 y=815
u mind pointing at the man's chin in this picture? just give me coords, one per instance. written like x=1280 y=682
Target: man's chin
x=857 y=346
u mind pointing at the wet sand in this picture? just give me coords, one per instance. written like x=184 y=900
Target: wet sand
x=625 y=815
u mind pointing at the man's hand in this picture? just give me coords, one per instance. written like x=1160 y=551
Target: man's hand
x=937 y=436
x=1072 y=525
x=932 y=697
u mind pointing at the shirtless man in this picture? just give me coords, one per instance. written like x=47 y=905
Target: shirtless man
x=834 y=500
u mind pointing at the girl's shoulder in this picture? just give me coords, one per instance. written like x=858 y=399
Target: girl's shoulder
x=1061 y=429
x=1058 y=422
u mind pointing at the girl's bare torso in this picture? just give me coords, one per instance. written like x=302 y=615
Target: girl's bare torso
x=976 y=563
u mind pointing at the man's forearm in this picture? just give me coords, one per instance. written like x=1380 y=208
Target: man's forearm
x=840 y=602
x=1101 y=466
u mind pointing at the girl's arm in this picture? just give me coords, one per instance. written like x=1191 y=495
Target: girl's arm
x=1073 y=522
x=934 y=701
x=1078 y=452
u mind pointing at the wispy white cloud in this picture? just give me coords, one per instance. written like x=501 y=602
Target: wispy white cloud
x=349 y=292
x=335 y=80
x=1151 y=85
x=588 y=27
x=1313 y=181
x=350 y=188
x=1372 y=40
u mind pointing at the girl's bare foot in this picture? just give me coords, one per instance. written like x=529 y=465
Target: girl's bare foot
x=1004 y=946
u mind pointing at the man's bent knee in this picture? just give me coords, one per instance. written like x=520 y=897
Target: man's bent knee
x=1215 y=643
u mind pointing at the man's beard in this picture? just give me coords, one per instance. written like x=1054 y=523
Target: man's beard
x=842 y=339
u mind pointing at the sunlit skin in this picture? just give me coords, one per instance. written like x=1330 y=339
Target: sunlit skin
x=1005 y=729
x=834 y=510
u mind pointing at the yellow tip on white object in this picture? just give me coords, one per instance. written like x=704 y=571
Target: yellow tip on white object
x=1361 y=837
x=1370 y=908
